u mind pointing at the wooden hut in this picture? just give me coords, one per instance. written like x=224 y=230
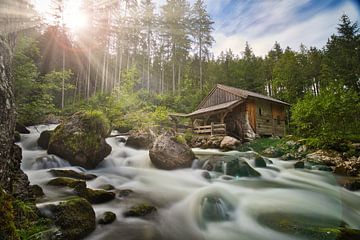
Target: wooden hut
x=240 y=113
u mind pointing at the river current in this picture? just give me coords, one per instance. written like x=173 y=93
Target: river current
x=191 y=207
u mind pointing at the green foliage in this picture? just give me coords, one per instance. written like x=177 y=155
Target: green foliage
x=34 y=95
x=95 y=121
x=329 y=118
x=7 y=219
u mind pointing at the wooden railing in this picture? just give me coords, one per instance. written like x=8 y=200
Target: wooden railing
x=213 y=129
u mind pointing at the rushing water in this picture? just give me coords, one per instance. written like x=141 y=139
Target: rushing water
x=192 y=207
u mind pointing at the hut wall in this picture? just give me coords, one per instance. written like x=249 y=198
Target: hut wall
x=251 y=111
x=216 y=97
x=279 y=117
x=264 y=120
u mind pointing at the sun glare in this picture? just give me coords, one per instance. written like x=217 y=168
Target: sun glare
x=74 y=18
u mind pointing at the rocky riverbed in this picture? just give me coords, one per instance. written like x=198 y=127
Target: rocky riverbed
x=223 y=195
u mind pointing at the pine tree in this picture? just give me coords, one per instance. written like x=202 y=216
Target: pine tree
x=201 y=30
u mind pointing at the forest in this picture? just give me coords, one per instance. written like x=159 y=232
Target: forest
x=133 y=61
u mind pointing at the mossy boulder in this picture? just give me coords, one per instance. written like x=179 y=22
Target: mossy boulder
x=168 y=154
x=74 y=217
x=306 y=227
x=66 y=182
x=44 y=139
x=94 y=196
x=107 y=218
x=140 y=210
x=230 y=165
x=141 y=139
x=81 y=139
x=72 y=174
x=125 y=193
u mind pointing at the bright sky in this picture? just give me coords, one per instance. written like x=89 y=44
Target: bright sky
x=260 y=22
x=290 y=22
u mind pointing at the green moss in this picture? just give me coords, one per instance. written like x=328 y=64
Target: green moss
x=95 y=121
x=179 y=139
x=7 y=219
x=94 y=196
x=66 y=182
x=140 y=210
x=75 y=217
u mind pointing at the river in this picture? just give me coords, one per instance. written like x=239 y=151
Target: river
x=191 y=207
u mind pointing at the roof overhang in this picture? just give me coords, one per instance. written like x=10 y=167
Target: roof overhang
x=228 y=106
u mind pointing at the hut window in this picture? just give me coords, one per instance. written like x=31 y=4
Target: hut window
x=260 y=111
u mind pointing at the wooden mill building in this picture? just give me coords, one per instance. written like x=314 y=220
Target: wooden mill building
x=239 y=113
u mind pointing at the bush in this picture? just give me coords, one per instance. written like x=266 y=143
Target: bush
x=328 y=119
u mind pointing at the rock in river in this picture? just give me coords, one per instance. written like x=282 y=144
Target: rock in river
x=74 y=217
x=168 y=154
x=141 y=139
x=81 y=139
x=44 y=139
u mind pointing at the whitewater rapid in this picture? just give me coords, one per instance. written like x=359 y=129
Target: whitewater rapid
x=187 y=201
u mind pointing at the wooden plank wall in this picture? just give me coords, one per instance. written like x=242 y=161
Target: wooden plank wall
x=217 y=97
x=251 y=109
x=264 y=121
x=271 y=121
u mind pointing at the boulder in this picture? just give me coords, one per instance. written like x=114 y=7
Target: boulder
x=272 y=152
x=141 y=139
x=66 y=182
x=212 y=142
x=260 y=162
x=230 y=165
x=75 y=218
x=81 y=139
x=168 y=154
x=107 y=187
x=299 y=164
x=20 y=128
x=229 y=143
x=94 y=196
x=125 y=193
x=140 y=210
x=107 y=218
x=44 y=139
x=72 y=174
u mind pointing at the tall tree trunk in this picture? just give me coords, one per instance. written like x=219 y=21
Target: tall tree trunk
x=200 y=55
x=179 y=77
x=173 y=77
x=63 y=80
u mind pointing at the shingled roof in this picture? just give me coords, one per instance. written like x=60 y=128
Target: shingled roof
x=219 y=107
x=244 y=94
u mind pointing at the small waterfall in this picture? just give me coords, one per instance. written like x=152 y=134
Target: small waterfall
x=49 y=161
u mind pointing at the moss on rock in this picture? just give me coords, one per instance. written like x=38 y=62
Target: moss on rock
x=7 y=219
x=66 y=182
x=81 y=139
x=94 y=196
x=75 y=218
x=71 y=174
x=107 y=218
x=141 y=210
